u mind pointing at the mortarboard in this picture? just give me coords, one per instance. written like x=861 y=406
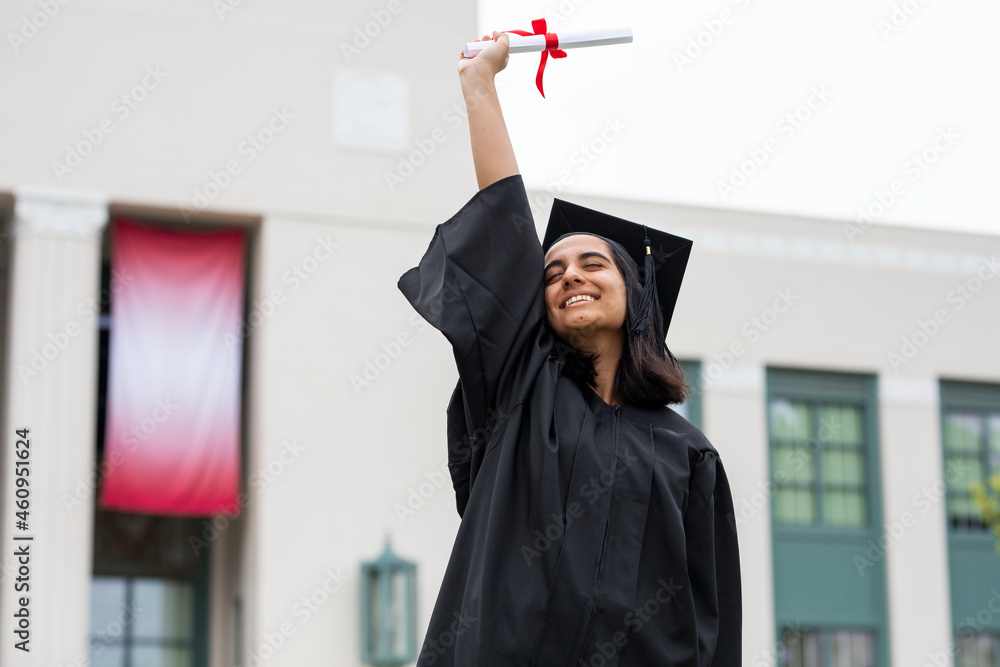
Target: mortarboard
x=662 y=256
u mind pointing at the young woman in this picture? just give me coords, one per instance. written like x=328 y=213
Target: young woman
x=597 y=524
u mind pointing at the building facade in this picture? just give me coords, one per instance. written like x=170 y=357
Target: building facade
x=849 y=377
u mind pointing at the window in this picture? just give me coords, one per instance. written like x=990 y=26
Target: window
x=141 y=621
x=690 y=409
x=971 y=433
x=818 y=464
x=827 y=648
x=149 y=592
x=830 y=603
x=978 y=650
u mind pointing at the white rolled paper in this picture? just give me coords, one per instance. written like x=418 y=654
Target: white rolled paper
x=567 y=40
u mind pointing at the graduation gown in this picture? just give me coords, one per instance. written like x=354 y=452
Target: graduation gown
x=591 y=535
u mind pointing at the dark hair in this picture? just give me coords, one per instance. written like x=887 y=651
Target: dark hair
x=645 y=376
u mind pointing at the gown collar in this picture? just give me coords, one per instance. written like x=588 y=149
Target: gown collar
x=597 y=404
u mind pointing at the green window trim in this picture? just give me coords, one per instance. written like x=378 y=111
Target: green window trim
x=973 y=559
x=165 y=621
x=824 y=578
x=821 y=458
x=981 y=649
x=970 y=434
x=826 y=646
x=692 y=407
x=817 y=463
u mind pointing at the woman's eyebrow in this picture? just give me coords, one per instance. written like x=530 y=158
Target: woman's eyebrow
x=581 y=256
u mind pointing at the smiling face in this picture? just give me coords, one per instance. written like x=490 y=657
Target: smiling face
x=584 y=290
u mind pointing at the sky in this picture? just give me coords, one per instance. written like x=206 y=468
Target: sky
x=888 y=109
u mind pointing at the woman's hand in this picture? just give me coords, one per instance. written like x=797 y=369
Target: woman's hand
x=488 y=62
x=492 y=153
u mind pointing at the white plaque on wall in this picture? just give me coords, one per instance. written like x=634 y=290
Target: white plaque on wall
x=371 y=112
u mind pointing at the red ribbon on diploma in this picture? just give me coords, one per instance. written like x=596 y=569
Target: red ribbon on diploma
x=551 y=46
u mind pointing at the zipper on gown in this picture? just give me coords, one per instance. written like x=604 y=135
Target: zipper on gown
x=607 y=521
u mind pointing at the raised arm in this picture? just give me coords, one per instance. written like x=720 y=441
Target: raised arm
x=492 y=152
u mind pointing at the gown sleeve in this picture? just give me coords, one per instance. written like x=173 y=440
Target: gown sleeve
x=714 y=563
x=480 y=283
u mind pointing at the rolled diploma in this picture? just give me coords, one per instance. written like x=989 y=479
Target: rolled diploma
x=569 y=40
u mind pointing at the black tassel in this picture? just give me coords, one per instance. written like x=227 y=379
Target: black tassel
x=670 y=354
x=650 y=299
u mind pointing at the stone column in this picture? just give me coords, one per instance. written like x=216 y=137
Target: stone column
x=916 y=524
x=735 y=421
x=50 y=388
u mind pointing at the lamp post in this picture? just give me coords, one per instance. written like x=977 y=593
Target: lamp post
x=388 y=610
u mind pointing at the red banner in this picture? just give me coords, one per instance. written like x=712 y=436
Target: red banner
x=172 y=439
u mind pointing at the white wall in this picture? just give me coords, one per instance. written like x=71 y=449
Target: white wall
x=219 y=81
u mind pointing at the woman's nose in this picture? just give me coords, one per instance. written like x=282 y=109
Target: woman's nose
x=571 y=275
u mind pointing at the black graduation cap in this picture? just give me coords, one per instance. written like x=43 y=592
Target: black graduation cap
x=662 y=256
